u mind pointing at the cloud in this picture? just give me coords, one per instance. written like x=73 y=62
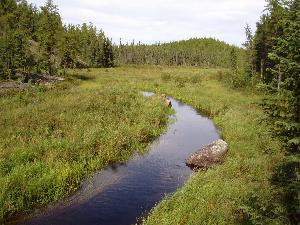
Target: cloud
x=150 y=21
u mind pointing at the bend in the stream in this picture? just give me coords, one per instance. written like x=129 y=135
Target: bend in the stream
x=122 y=194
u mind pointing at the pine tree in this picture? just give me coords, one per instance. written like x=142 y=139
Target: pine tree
x=284 y=108
x=250 y=63
x=108 y=56
x=265 y=39
x=50 y=35
x=7 y=44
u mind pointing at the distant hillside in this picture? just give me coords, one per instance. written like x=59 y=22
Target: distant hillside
x=204 y=52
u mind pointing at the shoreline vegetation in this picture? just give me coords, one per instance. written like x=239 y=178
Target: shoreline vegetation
x=255 y=184
x=53 y=136
x=51 y=139
x=46 y=168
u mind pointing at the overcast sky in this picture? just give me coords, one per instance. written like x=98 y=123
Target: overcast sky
x=150 y=21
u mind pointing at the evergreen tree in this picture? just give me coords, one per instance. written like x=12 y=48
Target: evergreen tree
x=265 y=39
x=7 y=42
x=284 y=108
x=33 y=40
x=205 y=52
x=108 y=56
x=250 y=60
x=50 y=35
x=17 y=23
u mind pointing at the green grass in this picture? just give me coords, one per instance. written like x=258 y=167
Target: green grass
x=240 y=191
x=52 y=139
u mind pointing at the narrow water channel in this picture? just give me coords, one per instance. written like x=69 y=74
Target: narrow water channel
x=121 y=194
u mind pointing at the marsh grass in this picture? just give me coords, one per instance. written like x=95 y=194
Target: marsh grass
x=51 y=139
x=241 y=190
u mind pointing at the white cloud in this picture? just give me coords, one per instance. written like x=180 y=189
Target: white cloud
x=164 y=20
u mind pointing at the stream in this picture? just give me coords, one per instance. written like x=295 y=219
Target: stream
x=122 y=194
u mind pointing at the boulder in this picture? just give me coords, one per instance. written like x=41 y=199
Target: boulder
x=208 y=156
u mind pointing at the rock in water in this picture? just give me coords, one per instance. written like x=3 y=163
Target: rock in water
x=168 y=102
x=208 y=156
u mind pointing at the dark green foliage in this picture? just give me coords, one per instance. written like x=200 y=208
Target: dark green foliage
x=82 y=46
x=281 y=77
x=284 y=105
x=35 y=41
x=108 y=56
x=49 y=36
x=286 y=178
x=14 y=37
x=204 y=52
x=265 y=38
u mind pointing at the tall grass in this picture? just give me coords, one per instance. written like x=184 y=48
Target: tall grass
x=240 y=191
x=50 y=139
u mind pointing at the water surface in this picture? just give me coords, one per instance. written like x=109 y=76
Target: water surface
x=121 y=194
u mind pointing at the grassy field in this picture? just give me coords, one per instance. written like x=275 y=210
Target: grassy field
x=52 y=139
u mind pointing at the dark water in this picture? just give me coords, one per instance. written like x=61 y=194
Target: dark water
x=123 y=193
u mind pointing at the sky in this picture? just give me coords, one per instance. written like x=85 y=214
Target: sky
x=152 y=21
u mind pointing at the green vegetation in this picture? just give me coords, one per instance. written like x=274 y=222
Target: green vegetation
x=274 y=53
x=76 y=130
x=51 y=139
x=255 y=185
x=204 y=52
x=36 y=41
x=240 y=191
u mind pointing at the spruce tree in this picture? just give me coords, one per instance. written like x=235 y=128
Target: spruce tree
x=108 y=56
x=50 y=36
x=284 y=107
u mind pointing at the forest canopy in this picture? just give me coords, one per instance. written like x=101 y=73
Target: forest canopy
x=35 y=40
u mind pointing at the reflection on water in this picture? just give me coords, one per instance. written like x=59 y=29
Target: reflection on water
x=120 y=195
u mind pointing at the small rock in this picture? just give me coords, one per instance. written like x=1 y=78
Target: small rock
x=208 y=156
x=60 y=78
x=168 y=102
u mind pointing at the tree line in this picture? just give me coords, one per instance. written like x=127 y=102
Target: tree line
x=203 y=52
x=273 y=63
x=273 y=59
x=35 y=40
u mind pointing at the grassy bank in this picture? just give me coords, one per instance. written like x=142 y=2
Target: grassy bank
x=240 y=191
x=51 y=139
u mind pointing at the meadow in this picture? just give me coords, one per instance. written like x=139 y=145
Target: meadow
x=51 y=139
